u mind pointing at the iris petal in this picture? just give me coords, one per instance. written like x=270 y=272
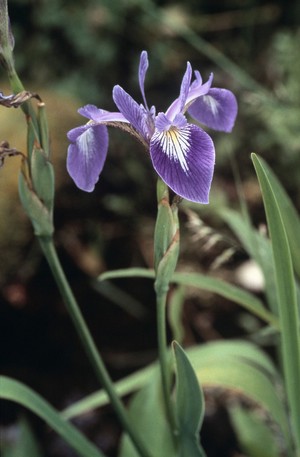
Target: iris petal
x=184 y=158
x=89 y=111
x=177 y=106
x=217 y=109
x=185 y=85
x=101 y=115
x=86 y=157
x=131 y=110
x=143 y=67
x=76 y=132
x=197 y=89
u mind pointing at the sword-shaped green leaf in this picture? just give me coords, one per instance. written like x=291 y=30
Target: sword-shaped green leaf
x=18 y=392
x=286 y=292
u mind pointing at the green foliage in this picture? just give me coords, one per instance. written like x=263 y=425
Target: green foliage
x=89 y=46
x=166 y=240
x=42 y=176
x=18 y=392
x=290 y=217
x=175 y=312
x=147 y=414
x=189 y=406
x=286 y=293
x=36 y=211
x=255 y=437
x=237 y=367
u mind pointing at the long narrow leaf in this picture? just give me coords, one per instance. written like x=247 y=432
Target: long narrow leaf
x=99 y=398
x=147 y=414
x=290 y=216
x=287 y=300
x=189 y=405
x=237 y=366
x=17 y=392
x=218 y=286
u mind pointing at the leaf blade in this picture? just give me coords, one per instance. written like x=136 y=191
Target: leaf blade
x=189 y=405
x=286 y=291
x=18 y=392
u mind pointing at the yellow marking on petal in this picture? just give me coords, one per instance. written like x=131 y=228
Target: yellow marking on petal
x=175 y=143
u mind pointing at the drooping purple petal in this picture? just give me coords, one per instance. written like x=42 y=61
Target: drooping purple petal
x=77 y=131
x=136 y=114
x=100 y=115
x=184 y=159
x=217 y=109
x=87 y=155
x=143 y=67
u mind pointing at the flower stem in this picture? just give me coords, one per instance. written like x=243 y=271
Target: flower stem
x=164 y=359
x=88 y=342
x=166 y=249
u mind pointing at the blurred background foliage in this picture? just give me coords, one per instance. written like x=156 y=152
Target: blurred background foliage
x=73 y=52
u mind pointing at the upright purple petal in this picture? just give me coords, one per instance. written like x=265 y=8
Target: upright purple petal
x=162 y=122
x=86 y=156
x=185 y=85
x=143 y=67
x=184 y=158
x=177 y=106
x=217 y=109
x=197 y=89
x=134 y=113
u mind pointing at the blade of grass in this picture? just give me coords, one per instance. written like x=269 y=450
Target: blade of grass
x=290 y=216
x=189 y=405
x=287 y=299
x=16 y=391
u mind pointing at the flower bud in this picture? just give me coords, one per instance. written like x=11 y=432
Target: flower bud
x=37 y=212
x=42 y=176
x=166 y=240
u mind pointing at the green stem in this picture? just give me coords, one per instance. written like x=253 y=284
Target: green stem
x=88 y=342
x=166 y=247
x=164 y=358
x=17 y=86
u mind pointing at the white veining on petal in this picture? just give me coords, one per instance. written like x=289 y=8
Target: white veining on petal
x=212 y=103
x=84 y=141
x=176 y=144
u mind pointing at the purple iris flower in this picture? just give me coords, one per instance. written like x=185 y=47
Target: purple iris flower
x=182 y=154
